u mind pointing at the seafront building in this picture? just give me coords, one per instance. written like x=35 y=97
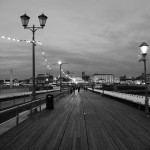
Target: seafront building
x=102 y=78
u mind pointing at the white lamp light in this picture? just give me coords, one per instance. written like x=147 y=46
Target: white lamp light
x=144 y=48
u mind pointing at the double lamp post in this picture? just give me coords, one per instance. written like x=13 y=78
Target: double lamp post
x=144 y=49
x=25 y=20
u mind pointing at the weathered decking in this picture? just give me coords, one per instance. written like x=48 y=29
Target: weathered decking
x=82 y=121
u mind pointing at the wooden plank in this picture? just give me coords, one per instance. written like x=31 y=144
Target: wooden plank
x=132 y=139
x=82 y=121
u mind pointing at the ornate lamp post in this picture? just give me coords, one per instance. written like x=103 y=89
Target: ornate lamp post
x=144 y=49
x=60 y=64
x=25 y=20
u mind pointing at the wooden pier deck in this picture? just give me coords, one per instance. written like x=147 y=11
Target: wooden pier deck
x=82 y=121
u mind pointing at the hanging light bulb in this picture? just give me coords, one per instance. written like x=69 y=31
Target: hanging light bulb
x=3 y=36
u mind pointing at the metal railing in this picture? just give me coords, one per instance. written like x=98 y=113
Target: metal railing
x=128 y=97
x=19 y=108
x=19 y=98
x=28 y=108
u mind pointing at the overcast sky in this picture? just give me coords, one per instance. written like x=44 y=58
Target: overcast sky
x=95 y=36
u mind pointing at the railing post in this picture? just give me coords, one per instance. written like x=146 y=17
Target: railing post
x=14 y=100
x=24 y=98
x=40 y=105
x=17 y=116
x=31 y=108
x=31 y=105
x=139 y=107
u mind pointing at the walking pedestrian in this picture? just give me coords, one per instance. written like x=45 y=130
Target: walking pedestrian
x=73 y=89
x=86 y=88
x=78 y=89
x=93 y=87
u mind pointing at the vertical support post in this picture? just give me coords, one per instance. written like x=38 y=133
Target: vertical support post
x=60 y=77
x=31 y=107
x=146 y=89
x=17 y=116
x=33 y=63
x=33 y=68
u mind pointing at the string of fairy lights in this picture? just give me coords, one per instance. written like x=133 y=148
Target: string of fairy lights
x=38 y=43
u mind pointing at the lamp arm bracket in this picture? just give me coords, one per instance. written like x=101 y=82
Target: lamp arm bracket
x=140 y=60
x=33 y=29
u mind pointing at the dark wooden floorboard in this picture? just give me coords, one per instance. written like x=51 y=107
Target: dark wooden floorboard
x=82 y=121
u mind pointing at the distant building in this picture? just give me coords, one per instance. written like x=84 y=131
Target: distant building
x=142 y=78
x=102 y=78
x=10 y=83
x=123 y=78
x=43 y=79
x=6 y=82
x=116 y=80
x=83 y=74
x=15 y=82
x=1 y=82
x=148 y=78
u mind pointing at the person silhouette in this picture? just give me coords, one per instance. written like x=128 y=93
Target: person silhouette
x=78 y=89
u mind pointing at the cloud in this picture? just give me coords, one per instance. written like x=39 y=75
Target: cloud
x=94 y=36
